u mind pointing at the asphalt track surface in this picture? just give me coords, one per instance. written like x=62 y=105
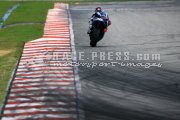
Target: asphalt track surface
x=131 y=93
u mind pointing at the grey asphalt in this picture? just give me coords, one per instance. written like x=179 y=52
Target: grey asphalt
x=127 y=92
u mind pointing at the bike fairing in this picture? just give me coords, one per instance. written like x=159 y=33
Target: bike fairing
x=99 y=13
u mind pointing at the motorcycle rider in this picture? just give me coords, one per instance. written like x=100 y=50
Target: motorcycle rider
x=99 y=13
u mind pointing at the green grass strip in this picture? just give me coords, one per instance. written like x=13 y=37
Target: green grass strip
x=30 y=12
x=11 y=43
x=13 y=38
x=5 y=6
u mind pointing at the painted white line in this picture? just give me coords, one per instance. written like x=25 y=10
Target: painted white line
x=42 y=81
x=61 y=36
x=31 y=55
x=57 y=26
x=76 y=70
x=48 y=68
x=56 y=17
x=81 y=115
x=54 y=23
x=34 y=79
x=66 y=56
x=60 y=26
x=60 y=66
x=58 y=41
x=57 y=10
x=41 y=98
x=41 y=116
x=55 y=29
x=45 y=63
x=39 y=103
x=47 y=40
x=49 y=75
x=56 y=13
x=70 y=80
x=22 y=79
x=63 y=45
x=58 y=44
x=45 y=75
x=46 y=109
x=44 y=88
x=53 y=55
x=46 y=83
x=42 y=92
x=56 y=33
x=44 y=72
x=27 y=79
x=41 y=51
x=49 y=59
x=45 y=47
x=49 y=45
x=57 y=21
x=41 y=64
x=43 y=60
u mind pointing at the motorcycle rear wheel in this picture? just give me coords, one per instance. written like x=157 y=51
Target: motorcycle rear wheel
x=94 y=37
x=93 y=43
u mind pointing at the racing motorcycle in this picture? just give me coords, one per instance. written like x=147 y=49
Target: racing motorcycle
x=98 y=29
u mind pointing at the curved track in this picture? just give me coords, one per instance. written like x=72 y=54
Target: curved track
x=131 y=93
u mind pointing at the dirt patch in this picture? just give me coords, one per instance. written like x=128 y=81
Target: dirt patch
x=5 y=52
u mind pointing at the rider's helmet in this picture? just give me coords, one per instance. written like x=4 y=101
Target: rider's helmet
x=98 y=9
